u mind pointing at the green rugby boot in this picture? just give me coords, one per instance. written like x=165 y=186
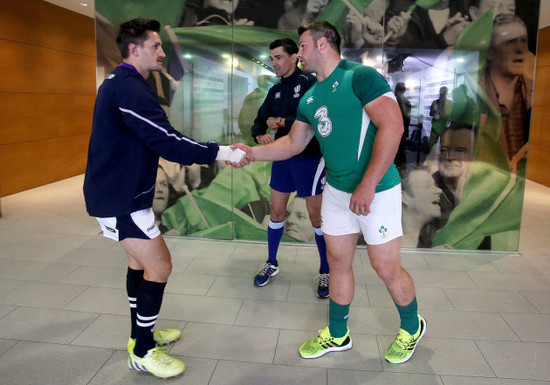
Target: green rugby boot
x=325 y=343
x=161 y=337
x=157 y=362
x=402 y=349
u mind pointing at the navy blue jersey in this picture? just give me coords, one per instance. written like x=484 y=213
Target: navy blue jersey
x=130 y=131
x=282 y=100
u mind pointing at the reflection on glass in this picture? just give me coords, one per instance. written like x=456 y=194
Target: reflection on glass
x=461 y=71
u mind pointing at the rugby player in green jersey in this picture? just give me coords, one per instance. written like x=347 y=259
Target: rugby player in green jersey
x=356 y=119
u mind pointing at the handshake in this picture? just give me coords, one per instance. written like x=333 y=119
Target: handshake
x=237 y=155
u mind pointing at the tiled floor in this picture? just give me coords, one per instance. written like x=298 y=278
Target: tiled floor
x=64 y=313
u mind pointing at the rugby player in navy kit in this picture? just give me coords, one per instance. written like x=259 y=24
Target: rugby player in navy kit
x=130 y=131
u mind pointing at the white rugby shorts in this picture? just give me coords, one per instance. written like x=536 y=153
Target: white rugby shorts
x=381 y=225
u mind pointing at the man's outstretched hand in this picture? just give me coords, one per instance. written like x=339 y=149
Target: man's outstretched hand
x=245 y=159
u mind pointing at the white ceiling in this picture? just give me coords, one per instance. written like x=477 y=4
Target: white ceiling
x=75 y=5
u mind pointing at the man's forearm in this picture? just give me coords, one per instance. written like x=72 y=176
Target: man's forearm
x=280 y=149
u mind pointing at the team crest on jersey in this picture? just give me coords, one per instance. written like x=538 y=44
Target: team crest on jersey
x=297 y=91
x=334 y=86
x=325 y=124
x=277 y=95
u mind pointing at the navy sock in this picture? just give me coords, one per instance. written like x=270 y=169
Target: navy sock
x=409 y=316
x=322 y=247
x=274 y=235
x=133 y=281
x=149 y=300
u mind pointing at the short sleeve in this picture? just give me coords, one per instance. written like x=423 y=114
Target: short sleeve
x=368 y=84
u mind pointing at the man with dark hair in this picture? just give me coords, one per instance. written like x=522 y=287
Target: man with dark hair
x=302 y=173
x=355 y=117
x=129 y=132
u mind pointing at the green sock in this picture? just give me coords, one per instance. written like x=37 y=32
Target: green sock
x=338 y=319
x=409 y=316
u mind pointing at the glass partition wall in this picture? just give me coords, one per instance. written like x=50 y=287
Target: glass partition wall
x=462 y=72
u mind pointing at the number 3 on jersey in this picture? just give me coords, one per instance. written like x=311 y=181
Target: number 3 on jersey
x=325 y=124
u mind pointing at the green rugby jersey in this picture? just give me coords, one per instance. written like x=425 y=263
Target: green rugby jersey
x=334 y=108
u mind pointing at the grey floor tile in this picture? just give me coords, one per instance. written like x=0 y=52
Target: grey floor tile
x=460 y=261
x=297 y=271
x=491 y=304
x=468 y=326
x=253 y=252
x=30 y=363
x=40 y=294
x=427 y=297
x=7 y=283
x=237 y=287
x=237 y=373
x=539 y=299
x=101 y=300
x=182 y=283
x=307 y=254
x=36 y=271
x=490 y=300
x=200 y=308
x=198 y=371
x=413 y=261
x=443 y=279
x=528 y=361
x=180 y=263
x=6 y=344
x=222 y=267
x=4 y=261
x=440 y=356
x=6 y=309
x=515 y=264
x=107 y=331
x=363 y=377
x=465 y=380
x=530 y=327
x=202 y=249
x=541 y=263
x=46 y=325
x=113 y=277
x=227 y=342
x=95 y=257
x=113 y=331
x=275 y=314
x=545 y=277
x=38 y=252
x=98 y=241
x=363 y=354
x=372 y=320
x=287 y=253
x=508 y=281
x=306 y=292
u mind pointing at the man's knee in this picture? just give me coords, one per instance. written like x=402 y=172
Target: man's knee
x=388 y=271
x=277 y=214
x=339 y=261
x=159 y=271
